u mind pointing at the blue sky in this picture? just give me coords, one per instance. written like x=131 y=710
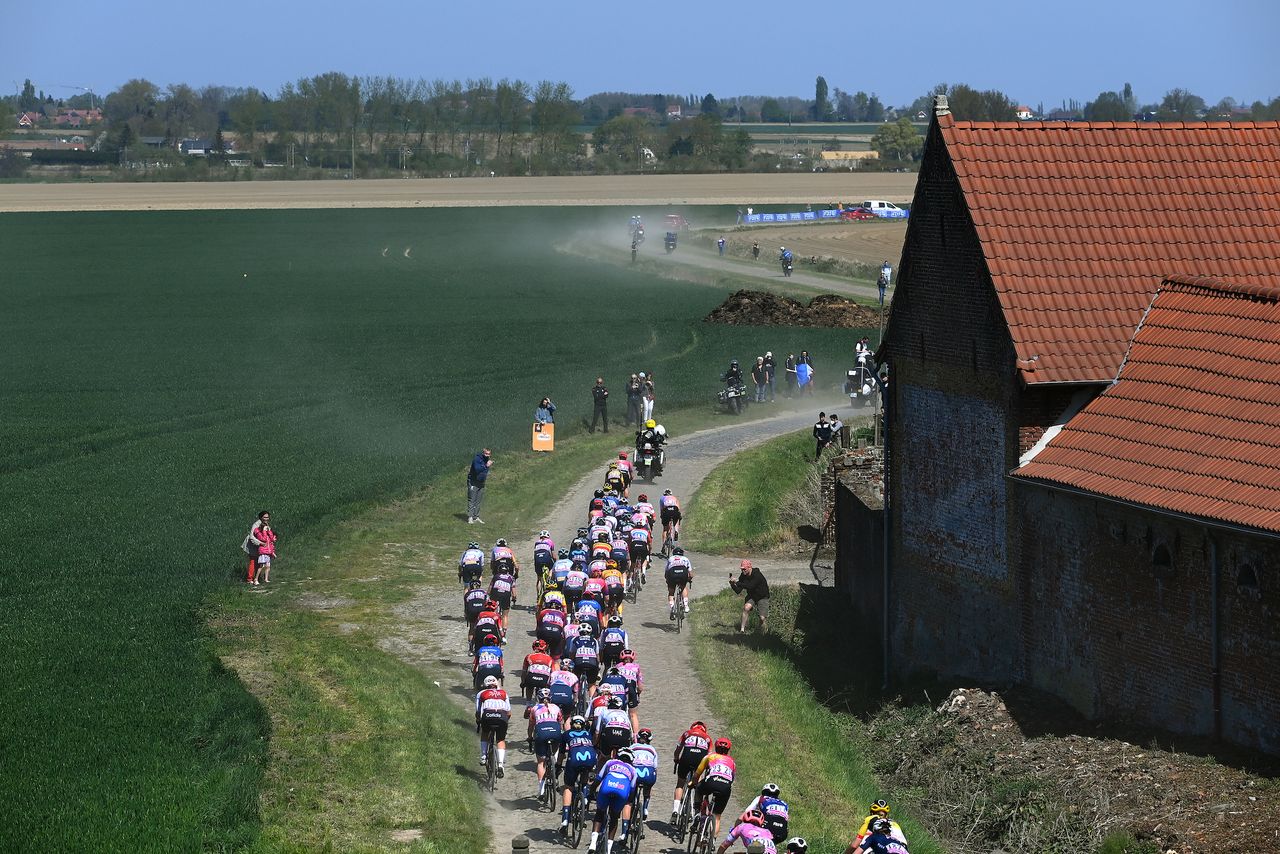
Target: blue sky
x=1036 y=51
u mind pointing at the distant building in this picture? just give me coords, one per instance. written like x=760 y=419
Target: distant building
x=30 y=120
x=639 y=111
x=1023 y=114
x=850 y=159
x=77 y=118
x=673 y=111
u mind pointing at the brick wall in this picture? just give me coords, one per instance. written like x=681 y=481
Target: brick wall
x=859 y=549
x=1118 y=633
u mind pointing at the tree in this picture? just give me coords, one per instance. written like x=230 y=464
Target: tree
x=1130 y=102
x=1108 y=107
x=247 y=112
x=710 y=106
x=135 y=102
x=623 y=138
x=28 y=101
x=1179 y=104
x=771 y=111
x=897 y=140
x=821 y=103
x=875 y=109
x=968 y=104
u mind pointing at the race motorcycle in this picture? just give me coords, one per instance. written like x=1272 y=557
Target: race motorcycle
x=734 y=397
x=649 y=460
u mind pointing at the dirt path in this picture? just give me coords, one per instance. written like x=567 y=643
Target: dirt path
x=765 y=270
x=740 y=189
x=434 y=633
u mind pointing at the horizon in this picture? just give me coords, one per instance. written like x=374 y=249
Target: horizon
x=706 y=51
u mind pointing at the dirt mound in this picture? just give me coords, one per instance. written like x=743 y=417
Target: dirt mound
x=759 y=308
x=1039 y=774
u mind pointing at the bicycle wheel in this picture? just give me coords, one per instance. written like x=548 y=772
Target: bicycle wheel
x=679 y=614
x=707 y=840
x=684 y=815
x=491 y=766
x=578 y=815
x=694 y=835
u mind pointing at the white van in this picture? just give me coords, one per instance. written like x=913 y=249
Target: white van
x=881 y=208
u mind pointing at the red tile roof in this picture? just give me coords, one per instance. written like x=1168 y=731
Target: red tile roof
x=1192 y=423
x=1080 y=221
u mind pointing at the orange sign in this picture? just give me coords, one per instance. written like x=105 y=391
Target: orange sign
x=544 y=437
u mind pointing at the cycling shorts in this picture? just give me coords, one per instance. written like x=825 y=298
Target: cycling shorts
x=543 y=560
x=621 y=555
x=718 y=791
x=574 y=768
x=689 y=762
x=612 y=800
x=615 y=594
x=588 y=671
x=535 y=680
x=647 y=776
x=776 y=827
x=562 y=697
x=497 y=726
x=614 y=738
x=471 y=573
x=484 y=672
x=546 y=748
x=503 y=598
x=639 y=551
x=670 y=514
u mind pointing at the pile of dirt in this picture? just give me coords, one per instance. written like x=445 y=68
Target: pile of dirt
x=759 y=308
x=1047 y=773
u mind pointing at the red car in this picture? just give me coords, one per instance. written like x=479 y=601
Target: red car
x=856 y=213
x=675 y=222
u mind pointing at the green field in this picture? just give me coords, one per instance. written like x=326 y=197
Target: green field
x=169 y=374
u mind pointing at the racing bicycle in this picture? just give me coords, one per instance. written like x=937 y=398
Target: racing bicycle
x=701 y=835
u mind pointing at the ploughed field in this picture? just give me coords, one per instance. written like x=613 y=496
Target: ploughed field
x=169 y=374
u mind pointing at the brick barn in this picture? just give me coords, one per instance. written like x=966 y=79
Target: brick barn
x=1030 y=542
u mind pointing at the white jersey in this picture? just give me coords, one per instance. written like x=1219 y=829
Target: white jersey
x=645 y=756
x=679 y=561
x=612 y=718
x=472 y=557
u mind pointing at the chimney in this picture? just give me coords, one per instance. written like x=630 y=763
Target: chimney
x=940 y=106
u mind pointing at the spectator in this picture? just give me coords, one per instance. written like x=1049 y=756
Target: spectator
x=476 y=478
x=837 y=428
x=253 y=544
x=755 y=250
x=790 y=369
x=758 y=377
x=635 y=394
x=546 y=412
x=821 y=432
x=804 y=372
x=862 y=350
x=648 y=397
x=768 y=374
x=753 y=583
x=720 y=246
x=600 y=405
x=886 y=273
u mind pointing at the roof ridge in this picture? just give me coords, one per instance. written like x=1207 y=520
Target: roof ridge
x=1210 y=286
x=1173 y=124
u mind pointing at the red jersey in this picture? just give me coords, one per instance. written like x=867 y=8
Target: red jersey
x=538 y=664
x=694 y=741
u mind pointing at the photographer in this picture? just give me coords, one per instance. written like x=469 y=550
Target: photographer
x=752 y=582
x=546 y=412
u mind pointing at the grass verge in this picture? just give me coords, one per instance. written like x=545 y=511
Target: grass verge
x=365 y=740
x=781 y=731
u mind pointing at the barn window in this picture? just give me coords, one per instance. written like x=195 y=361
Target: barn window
x=1162 y=561
x=1247 y=577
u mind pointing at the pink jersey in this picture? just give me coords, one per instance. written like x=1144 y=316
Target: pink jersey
x=632 y=671
x=545 y=713
x=747 y=833
x=595 y=586
x=564 y=677
x=647 y=509
x=503 y=553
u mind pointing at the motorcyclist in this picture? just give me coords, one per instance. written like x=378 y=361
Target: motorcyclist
x=733 y=376
x=652 y=434
x=784 y=255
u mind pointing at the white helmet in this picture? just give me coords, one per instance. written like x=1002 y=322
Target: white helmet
x=491 y=681
x=660 y=430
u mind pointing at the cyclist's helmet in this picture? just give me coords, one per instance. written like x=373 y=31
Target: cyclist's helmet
x=582 y=532
x=678 y=550
x=644 y=497
x=610 y=564
x=770 y=790
x=880 y=824
x=614 y=671
x=577 y=722
x=880 y=808
x=563 y=554
x=645 y=735
x=797 y=845
x=753 y=817
x=602 y=537
x=500 y=542
x=615 y=702
x=552 y=584
x=473 y=545
x=626 y=755
x=622 y=455
x=723 y=745
x=490 y=604
x=539 y=645
x=697 y=726
x=544 y=695
x=666 y=492
x=585 y=630
x=491 y=681
x=473 y=584
x=615 y=622
x=599 y=493
x=544 y=534
x=566 y=663
x=490 y=640
x=596 y=572
x=628 y=655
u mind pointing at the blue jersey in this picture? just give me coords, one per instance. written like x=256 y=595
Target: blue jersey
x=617 y=778
x=585 y=650
x=616 y=683
x=579 y=747
x=489 y=659
x=560 y=570
x=614 y=639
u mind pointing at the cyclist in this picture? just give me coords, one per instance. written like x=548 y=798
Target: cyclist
x=797 y=845
x=546 y=724
x=614 y=683
x=879 y=809
x=613 y=640
x=552 y=595
x=575 y=582
x=624 y=466
x=544 y=555
x=679 y=576
x=641 y=541
x=615 y=782
x=473 y=602
x=601 y=547
x=580 y=548
x=715 y=778
x=493 y=712
x=775 y=810
x=880 y=839
x=616 y=481
x=620 y=548
x=471 y=564
x=488 y=622
x=502 y=556
x=646 y=764
x=750 y=828
x=537 y=669
x=690 y=750
x=502 y=589
x=588 y=611
x=613 y=727
x=643 y=506
x=579 y=760
x=586 y=658
x=487 y=661
x=563 y=685
x=560 y=569
x=615 y=588
x=551 y=623
x=669 y=512
x=635 y=684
